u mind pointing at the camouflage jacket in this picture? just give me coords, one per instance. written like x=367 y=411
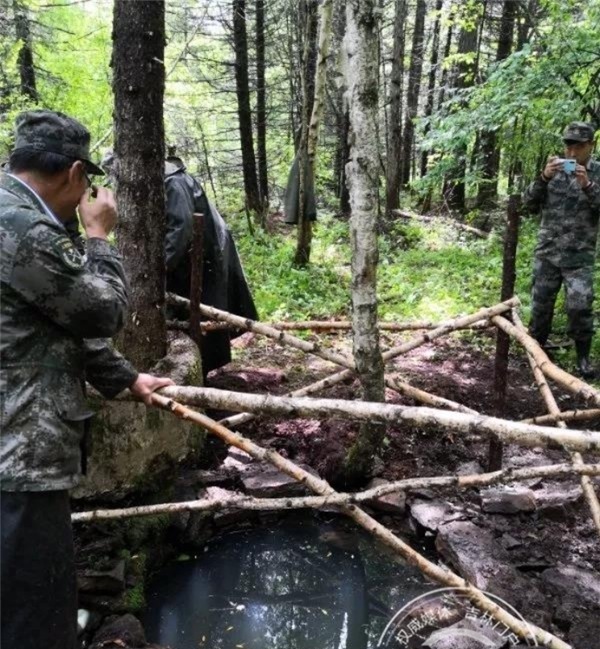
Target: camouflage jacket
x=52 y=298
x=569 y=217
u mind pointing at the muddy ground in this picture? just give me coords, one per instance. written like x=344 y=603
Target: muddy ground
x=556 y=535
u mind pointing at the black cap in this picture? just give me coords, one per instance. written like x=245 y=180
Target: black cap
x=46 y=130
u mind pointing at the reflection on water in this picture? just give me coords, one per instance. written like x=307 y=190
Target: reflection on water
x=301 y=584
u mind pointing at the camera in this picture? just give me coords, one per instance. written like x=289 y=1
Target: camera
x=568 y=165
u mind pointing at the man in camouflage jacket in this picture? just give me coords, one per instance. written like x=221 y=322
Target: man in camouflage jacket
x=56 y=308
x=569 y=202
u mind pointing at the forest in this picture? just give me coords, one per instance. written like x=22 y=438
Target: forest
x=387 y=425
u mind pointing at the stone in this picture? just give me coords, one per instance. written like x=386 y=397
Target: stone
x=431 y=515
x=582 y=585
x=123 y=631
x=393 y=503
x=509 y=542
x=103 y=581
x=238 y=461
x=468 y=633
x=508 y=500
x=469 y=468
x=557 y=500
x=130 y=445
x=271 y=483
x=227 y=517
x=471 y=549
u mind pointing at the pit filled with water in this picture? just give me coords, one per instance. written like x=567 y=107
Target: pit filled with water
x=291 y=584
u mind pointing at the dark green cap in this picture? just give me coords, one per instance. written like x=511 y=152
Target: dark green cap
x=46 y=130
x=579 y=132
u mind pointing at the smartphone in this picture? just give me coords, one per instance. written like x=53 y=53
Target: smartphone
x=569 y=165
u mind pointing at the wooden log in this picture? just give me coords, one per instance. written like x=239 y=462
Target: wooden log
x=569 y=382
x=586 y=485
x=242 y=501
x=444 y=220
x=427 y=418
x=565 y=415
x=451 y=325
x=439 y=574
x=326 y=326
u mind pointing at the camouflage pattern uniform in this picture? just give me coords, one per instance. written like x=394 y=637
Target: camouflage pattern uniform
x=52 y=300
x=57 y=308
x=565 y=251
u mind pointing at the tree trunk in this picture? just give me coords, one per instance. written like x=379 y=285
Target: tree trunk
x=139 y=83
x=414 y=86
x=261 y=112
x=433 y=64
x=394 y=148
x=490 y=155
x=240 y=43
x=455 y=190
x=308 y=69
x=25 y=56
x=361 y=47
x=342 y=123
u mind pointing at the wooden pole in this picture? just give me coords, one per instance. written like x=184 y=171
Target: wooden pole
x=439 y=574
x=237 y=502
x=565 y=415
x=425 y=418
x=502 y=338
x=569 y=382
x=586 y=484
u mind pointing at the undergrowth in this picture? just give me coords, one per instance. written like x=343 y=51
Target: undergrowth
x=425 y=272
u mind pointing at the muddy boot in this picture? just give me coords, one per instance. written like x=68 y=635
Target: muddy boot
x=584 y=367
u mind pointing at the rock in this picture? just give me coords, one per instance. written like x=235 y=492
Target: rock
x=557 y=501
x=508 y=500
x=582 y=585
x=469 y=468
x=394 y=503
x=237 y=461
x=83 y=617
x=509 y=542
x=103 y=581
x=131 y=445
x=468 y=633
x=431 y=515
x=118 y=632
x=472 y=550
x=225 y=517
x=270 y=482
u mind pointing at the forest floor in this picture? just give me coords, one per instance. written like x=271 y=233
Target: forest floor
x=558 y=532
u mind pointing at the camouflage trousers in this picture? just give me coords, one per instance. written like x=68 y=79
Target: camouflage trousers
x=579 y=296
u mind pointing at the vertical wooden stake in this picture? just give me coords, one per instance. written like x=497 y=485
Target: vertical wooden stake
x=197 y=260
x=502 y=339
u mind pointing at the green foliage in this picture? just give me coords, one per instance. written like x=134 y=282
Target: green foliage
x=526 y=100
x=321 y=290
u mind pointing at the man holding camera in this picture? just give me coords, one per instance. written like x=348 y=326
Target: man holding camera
x=567 y=194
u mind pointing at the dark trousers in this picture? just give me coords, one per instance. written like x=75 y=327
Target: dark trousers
x=579 y=298
x=38 y=609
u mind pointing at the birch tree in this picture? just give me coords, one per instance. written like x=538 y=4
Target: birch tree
x=360 y=71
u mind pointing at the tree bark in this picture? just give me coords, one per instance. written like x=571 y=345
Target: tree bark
x=433 y=65
x=138 y=84
x=308 y=76
x=394 y=148
x=490 y=154
x=414 y=86
x=261 y=111
x=25 y=56
x=455 y=190
x=240 y=42
x=361 y=49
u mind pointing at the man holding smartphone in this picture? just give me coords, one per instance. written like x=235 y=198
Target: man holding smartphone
x=567 y=195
